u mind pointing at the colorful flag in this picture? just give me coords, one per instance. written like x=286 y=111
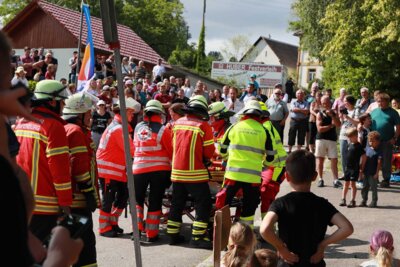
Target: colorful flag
x=86 y=72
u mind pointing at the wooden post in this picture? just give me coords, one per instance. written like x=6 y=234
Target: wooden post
x=222 y=226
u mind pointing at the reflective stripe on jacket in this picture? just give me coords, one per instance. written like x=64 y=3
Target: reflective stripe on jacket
x=281 y=155
x=44 y=155
x=110 y=154
x=245 y=145
x=192 y=144
x=84 y=178
x=153 y=146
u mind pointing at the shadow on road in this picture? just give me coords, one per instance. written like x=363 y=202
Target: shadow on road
x=337 y=251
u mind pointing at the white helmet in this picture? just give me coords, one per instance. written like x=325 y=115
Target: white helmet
x=77 y=103
x=130 y=104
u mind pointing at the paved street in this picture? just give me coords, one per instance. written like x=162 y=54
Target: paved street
x=350 y=252
x=120 y=251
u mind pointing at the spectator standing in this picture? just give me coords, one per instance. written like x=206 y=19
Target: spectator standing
x=355 y=152
x=253 y=80
x=371 y=169
x=289 y=88
x=132 y=65
x=164 y=98
x=325 y=144
x=73 y=62
x=27 y=63
x=363 y=103
x=141 y=71
x=298 y=120
x=315 y=107
x=300 y=215
x=374 y=104
x=126 y=67
x=225 y=91
x=180 y=97
x=396 y=104
x=349 y=118
x=386 y=121
x=328 y=92
x=233 y=103
x=249 y=93
x=19 y=77
x=101 y=118
x=159 y=69
x=188 y=89
x=364 y=127
x=339 y=102
x=278 y=111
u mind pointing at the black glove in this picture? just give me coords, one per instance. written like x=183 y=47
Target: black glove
x=91 y=202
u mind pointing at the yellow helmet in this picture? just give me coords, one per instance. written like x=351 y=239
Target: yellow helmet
x=49 y=90
x=216 y=108
x=77 y=103
x=264 y=109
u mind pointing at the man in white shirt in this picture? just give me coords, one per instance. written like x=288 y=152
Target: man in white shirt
x=233 y=103
x=158 y=69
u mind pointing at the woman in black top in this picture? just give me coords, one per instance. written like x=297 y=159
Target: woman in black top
x=99 y=122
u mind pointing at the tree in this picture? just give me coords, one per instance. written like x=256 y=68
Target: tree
x=200 y=58
x=235 y=47
x=185 y=57
x=163 y=28
x=308 y=26
x=215 y=56
x=158 y=22
x=360 y=42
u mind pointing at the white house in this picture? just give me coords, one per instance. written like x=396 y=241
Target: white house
x=272 y=52
x=309 y=69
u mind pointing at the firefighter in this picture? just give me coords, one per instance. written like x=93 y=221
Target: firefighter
x=273 y=173
x=77 y=112
x=248 y=143
x=192 y=147
x=152 y=166
x=112 y=170
x=43 y=154
x=219 y=121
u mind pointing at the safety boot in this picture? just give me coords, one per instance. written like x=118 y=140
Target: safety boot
x=117 y=229
x=176 y=239
x=201 y=242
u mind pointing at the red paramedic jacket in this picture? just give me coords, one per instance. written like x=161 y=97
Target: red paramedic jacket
x=110 y=154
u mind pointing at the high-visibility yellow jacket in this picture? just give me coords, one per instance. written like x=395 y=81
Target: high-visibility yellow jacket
x=277 y=146
x=245 y=145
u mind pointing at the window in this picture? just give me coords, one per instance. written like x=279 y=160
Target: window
x=311 y=74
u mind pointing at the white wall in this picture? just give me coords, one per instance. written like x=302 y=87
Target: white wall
x=262 y=53
x=63 y=55
x=306 y=63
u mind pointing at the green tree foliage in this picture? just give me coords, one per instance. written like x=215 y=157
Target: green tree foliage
x=201 y=48
x=215 y=56
x=313 y=34
x=361 y=43
x=185 y=57
x=158 y=22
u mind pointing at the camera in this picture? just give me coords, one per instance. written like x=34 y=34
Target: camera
x=75 y=223
x=344 y=111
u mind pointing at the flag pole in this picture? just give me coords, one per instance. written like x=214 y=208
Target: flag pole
x=79 y=45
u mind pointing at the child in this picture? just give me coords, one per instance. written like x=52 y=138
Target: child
x=241 y=244
x=354 y=153
x=364 y=128
x=381 y=249
x=303 y=217
x=51 y=72
x=264 y=258
x=371 y=169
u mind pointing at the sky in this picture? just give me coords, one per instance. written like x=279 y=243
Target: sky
x=228 y=18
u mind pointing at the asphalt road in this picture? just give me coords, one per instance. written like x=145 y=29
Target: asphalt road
x=350 y=252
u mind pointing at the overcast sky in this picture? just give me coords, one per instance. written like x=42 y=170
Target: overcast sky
x=228 y=18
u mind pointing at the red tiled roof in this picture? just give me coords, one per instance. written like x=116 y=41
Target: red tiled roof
x=131 y=43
